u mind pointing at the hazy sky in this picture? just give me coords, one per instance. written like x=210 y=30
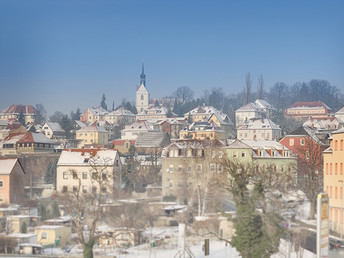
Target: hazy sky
x=66 y=54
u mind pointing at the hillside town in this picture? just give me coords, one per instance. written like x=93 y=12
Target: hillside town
x=107 y=180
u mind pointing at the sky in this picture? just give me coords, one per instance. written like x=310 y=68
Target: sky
x=67 y=54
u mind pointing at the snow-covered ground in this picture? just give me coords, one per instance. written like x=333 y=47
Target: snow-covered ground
x=217 y=249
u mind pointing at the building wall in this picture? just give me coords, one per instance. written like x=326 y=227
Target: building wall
x=46 y=235
x=142 y=99
x=259 y=134
x=333 y=173
x=93 y=137
x=241 y=116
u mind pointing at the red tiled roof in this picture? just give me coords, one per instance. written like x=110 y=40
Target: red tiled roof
x=16 y=109
x=310 y=104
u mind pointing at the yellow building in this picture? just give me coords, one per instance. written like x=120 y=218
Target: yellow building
x=307 y=110
x=334 y=179
x=203 y=130
x=49 y=235
x=92 y=134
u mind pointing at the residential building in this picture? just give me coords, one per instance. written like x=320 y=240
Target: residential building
x=15 y=111
x=308 y=144
x=16 y=222
x=223 y=122
x=85 y=165
x=152 y=112
x=171 y=126
x=130 y=132
x=92 y=134
x=259 y=129
x=334 y=178
x=26 y=143
x=266 y=107
x=93 y=114
x=202 y=113
x=340 y=115
x=203 y=130
x=10 y=126
x=326 y=124
x=54 y=131
x=251 y=110
x=188 y=163
x=264 y=155
x=12 y=181
x=151 y=142
x=120 y=116
x=142 y=94
x=51 y=235
x=307 y=110
x=123 y=146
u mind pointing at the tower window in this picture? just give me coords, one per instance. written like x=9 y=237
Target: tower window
x=142 y=97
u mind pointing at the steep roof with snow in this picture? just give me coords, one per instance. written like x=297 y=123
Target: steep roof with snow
x=7 y=165
x=16 y=109
x=250 y=107
x=35 y=137
x=264 y=104
x=152 y=139
x=85 y=157
x=55 y=127
x=258 y=124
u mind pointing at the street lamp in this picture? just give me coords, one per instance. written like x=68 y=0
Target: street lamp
x=341 y=210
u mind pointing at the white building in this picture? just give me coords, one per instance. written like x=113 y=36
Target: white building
x=130 y=132
x=259 y=129
x=120 y=115
x=142 y=95
x=77 y=167
x=54 y=130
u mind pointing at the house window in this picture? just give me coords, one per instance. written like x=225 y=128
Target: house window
x=220 y=154
x=94 y=189
x=212 y=168
x=335 y=145
x=94 y=175
x=302 y=142
x=103 y=189
x=84 y=188
x=1 y=183
x=142 y=97
x=341 y=168
x=75 y=188
x=84 y=175
x=180 y=168
x=86 y=160
x=335 y=168
x=220 y=168
x=44 y=235
x=65 y=175
x=189 y=168
x=75 y=175
x=170 y=169
x=170 y=184
x=341 y=145
x=235 y=154
x=199 y=167
x=243 y=154
x=104 y=176
x=64 y=189
x=213 y=154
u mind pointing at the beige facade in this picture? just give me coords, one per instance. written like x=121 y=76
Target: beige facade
x=188 y=163
x=334 y=179
x=92 y=135
x=85 y=165
x=48 y=234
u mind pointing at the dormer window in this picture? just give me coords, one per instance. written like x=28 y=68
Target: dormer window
x=86 y=160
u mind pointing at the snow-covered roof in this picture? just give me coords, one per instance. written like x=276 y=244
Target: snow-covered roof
x=258 y=124
x=92 y=128
x=98 y=111
x=121 y=112
x=139 y=126
x=3 y=122
x=55 y=127
x=340 y=111
x=36 y=138
x=151 y=139
x=49 y=227
x=86 y=157
x=264 y=104
x=250 y=107
x=6 y=166
x=80 y=124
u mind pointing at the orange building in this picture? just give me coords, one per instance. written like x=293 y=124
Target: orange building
x=334 y=179
x=12 y=181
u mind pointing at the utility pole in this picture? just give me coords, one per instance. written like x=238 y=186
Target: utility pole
x=341 y=210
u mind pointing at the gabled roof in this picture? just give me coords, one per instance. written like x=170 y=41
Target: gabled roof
x=55 y=127
x=86 y=157
x=121 y=112
x=250 y=107
x=7 y=165
x=340 y=111
x=258 y=124
x=98 y=111
x=140 y=125
x=237 y=144
x=223 y=118
x=310 y=104
x=203 y=110
x=152 y=139
x=80 y=124
x=194 y=144
x=35 y=138
x=306 y=132
x=16 y=109
x=92 y=128
x=264 y=104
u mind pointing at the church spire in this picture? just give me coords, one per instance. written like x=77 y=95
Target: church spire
x=143 y=76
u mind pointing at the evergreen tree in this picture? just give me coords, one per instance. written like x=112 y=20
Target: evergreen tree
x=42 y=211
x=21 y=118
x=102 y=103
x=50 y=174
x=23 y=228
x=113 y=105
x=67 y=125
x=56 y=210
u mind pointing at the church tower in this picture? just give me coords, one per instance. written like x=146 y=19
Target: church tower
x=142 y=95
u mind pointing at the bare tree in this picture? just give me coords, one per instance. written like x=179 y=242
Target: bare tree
x=183 y=94
x=85 y=205
x=260 y=88
x=248 y=86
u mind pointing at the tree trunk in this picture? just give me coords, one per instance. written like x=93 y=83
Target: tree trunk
x=312 y=208
x=88 y=250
